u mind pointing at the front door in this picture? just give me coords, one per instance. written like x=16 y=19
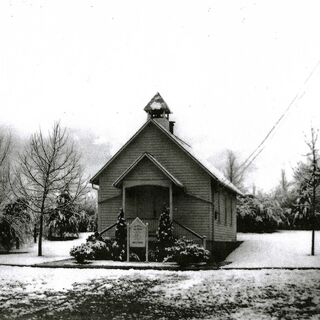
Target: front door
x=146 y=202
x=150 y=201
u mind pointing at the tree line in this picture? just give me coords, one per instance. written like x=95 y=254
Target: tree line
x=292 y=205
x=43 y=191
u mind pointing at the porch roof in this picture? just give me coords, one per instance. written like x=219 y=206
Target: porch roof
x=155 y=162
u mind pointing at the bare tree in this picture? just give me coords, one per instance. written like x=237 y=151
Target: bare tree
x=307 y=180
x=284 y=184
x=281 y=192
x=48 y=166
x=5 y=149
x=314 y=179
x=232 y=169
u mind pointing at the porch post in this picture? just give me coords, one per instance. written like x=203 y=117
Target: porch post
x=124 y=199
x=171 y=201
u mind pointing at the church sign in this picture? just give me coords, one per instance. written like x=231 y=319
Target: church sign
x=137 y=236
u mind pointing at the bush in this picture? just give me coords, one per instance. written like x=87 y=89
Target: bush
x=258 y=214
x=82 y=253
x=93 y=223
x=97 y=248
x=152 y=256
x=87 y=222
x=102 y=249
x=118 y=252
x=15 y=224
x=94 y=237
x=165 y=237
x=83 y=221
x=7 y=235
x=62 y=223
x=120 y=244
x=186 y=252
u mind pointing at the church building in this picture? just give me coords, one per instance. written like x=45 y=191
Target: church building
x=156 y=168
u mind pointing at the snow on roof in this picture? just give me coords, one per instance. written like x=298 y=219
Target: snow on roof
x=205 y=164
x=212 y=170
x=157 y=103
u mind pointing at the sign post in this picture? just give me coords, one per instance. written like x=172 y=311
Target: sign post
x=137 y=236
x=128 y=236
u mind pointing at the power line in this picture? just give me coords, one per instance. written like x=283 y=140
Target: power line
x=298 y=96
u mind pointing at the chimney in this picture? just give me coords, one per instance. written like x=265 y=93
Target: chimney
x=171 y=126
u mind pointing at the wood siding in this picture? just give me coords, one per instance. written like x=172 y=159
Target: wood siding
x=146 y=170
x=224 y=217
x=175 y=160
x=193 y=213
x=108 y=213
x=194 y=206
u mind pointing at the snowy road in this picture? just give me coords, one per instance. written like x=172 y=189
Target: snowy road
x=32 y=293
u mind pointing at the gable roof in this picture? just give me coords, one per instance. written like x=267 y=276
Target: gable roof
x=203 y=163
x=155 y=162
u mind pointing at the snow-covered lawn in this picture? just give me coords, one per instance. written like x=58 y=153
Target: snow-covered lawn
x=278 y=249
x=52 y=250
x=37 y=293
x=288 y=249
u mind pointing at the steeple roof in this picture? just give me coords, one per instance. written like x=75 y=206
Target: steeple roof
x=158 y=105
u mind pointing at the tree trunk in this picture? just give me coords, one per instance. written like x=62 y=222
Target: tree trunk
x=35 y=233
x=313 y=221
x=312 y=242
x=40 y=236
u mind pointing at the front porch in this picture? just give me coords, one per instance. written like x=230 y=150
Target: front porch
x=147 y=187
x=147 y=200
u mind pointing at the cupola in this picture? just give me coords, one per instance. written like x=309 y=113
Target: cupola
x=158 y=110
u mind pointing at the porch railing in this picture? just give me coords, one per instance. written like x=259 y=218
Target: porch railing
x=107 y=229
x=179 y=230
x=184 y=231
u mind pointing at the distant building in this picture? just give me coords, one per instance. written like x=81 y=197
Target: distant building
x=156 y=168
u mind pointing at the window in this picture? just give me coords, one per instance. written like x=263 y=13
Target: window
x=231 y=210
x=225 y=210
x=217 y=207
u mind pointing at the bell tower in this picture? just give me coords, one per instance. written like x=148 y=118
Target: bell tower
x=158 y=110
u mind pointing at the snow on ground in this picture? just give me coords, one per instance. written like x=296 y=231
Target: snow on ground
x=52 y=250
x=44 y=279
x=40 y=293
x=289 y=249
x=282 y=249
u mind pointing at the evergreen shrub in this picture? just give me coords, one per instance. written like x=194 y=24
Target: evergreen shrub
x=120 y=244
x=82 y=253
x=165 y=237
x=186 y=252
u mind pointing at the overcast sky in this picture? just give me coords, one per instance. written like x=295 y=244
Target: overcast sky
x=226 y=69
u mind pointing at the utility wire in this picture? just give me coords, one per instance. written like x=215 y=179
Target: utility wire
x=298 y=96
